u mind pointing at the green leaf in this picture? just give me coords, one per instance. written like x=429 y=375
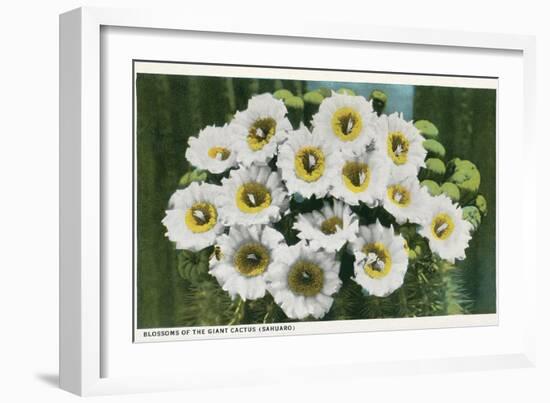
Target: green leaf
x=427 y=128
x=434 y=148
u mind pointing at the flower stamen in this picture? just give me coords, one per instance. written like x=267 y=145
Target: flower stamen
x=398 y=147
x=442 y=226
x=312 y=161
x=251 y=259
x=346 y=124
x=201 y=217
x=305 y=278
x=253 y=197
x=356 y=176
x=377 y=261
x=399 y=195
x=309 y=163
x=219 y=153
x=332 y=225
x=261 y=132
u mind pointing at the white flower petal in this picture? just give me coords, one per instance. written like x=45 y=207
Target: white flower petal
x=394 y=245
x=213 y=150
x=455 y=244
x=225 y=271
x=299 y=306
x=174 y=221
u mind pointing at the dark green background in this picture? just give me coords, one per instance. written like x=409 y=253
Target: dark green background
x=171 y=108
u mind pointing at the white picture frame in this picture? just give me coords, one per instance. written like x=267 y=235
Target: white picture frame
x=83 y=307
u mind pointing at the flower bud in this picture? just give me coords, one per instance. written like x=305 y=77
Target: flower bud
x=427 y=128
x=345 y=91
x=434 y=148
x=312 y=100
x=295 y=106
x=472 y=215
x=451 y=190
x=313 y=97
x=465 y=175
x=282 y=94
x=435 y=169
x=481 y=204
x=325 y=92
x=196 y=175
x=379 y=100
x=432 y=186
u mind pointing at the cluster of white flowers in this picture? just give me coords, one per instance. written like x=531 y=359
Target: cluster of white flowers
x=352 y=156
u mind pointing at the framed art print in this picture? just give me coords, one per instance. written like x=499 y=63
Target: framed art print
x=234 y=193
x=268 y=203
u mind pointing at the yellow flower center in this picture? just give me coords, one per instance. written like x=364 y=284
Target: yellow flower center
x=251 y=259
x=219 y=153
x=442 y=226
x=378 y=263
x=201 y=217
x=398 y=147
x=331 y=225
x=399 y=195
x=305 y=278
x=346 y=124
x=309 y=163
x=261 y=132
x=253 y=197
x=356 y=176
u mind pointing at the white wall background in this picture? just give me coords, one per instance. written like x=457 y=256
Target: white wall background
x=29 y=201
